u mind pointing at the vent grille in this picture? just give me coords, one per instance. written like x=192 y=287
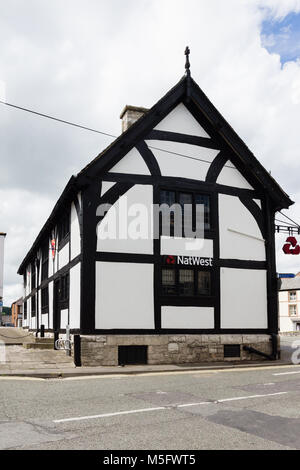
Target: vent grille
x=232 y=350
x=132 y=355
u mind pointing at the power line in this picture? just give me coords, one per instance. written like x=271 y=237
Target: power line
x=55 y=119
x=48 y=116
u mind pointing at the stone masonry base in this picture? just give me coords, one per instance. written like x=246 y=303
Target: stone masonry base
x=171 y=349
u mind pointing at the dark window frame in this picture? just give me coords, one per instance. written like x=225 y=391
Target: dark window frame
x=45 y=299
x=64 y=228
x=64 y=291
x=33 y=303
x=33 y=276
x=25 y=310
x=45 y=261
x=194 y=193
x=196 y=270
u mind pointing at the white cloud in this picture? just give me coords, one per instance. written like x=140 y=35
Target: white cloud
x=84 y=60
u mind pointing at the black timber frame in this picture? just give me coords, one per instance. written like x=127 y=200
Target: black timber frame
x=232 y=149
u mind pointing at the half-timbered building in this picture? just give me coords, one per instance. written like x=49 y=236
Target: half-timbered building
x=152 y=298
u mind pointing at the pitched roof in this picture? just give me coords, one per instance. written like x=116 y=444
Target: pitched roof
x=290 y=283
x=185 y=90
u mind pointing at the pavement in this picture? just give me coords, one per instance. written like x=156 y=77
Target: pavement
x=15 y=335
x=22 y=362
x=253 y=408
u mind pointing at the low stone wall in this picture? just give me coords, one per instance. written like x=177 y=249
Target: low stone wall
x=171 y=349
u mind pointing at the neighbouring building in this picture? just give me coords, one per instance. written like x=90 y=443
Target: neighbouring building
x=2 y=238
x=156 y=300
x=17 y=312
x=289 y=304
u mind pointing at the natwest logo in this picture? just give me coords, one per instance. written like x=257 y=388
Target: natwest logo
x=189 y=260
x=291 y=246
x=170 y=259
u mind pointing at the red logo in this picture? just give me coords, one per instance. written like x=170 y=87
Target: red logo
x=170 y=259
x=53 y=247
x=291 y=246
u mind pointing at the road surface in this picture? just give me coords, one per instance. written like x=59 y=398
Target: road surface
x=229 y=409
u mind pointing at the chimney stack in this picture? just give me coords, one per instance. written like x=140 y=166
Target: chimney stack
x=131 y=114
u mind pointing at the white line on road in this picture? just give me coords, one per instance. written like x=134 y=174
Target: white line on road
x=160 y=408
x=250 y=396
x=288 y=373
x=107 y=415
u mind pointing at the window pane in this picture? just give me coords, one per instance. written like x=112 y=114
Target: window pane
x=168 y=198
x=187 y=212
x=186 y=282
x=203 y=283
x=293 y=309
x=204 y=199
x=168 y=282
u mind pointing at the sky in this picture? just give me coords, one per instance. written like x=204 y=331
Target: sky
x=83 y=60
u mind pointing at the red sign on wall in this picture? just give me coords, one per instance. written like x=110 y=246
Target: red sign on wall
x=53 y=247
x=291 y=246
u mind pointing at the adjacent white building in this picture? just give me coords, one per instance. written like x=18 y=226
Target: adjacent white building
x=289 y=304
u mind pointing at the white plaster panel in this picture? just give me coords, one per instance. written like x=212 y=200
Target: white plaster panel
x=187 y=317
x=44 y=320
x=106 y=185
x=75 y=296
x=230 y=176
x=63 y=256
x=240 y=236
x=258 y=202
x=75 y=233
x=63 y=318
x=182 y=246
x=123 y=243
x=243 y=298
x=180 y=120
x=124 y=295
x=177 y=165
x=133 y=163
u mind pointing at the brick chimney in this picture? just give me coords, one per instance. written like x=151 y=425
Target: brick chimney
x=130 y=114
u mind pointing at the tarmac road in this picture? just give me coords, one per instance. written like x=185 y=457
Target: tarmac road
x=256 y=408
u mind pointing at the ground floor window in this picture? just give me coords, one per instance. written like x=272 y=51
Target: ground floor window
x=33 y=306
x=45 y=299
x=185 y=282
x=293 y=310
x=64 y=291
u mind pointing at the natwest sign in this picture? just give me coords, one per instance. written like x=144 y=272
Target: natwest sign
x=291 y=246
x=188 y=260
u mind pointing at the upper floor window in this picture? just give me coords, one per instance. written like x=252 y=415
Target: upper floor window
x=63 y=230
x=45 y=261
x=189 y=218
x=33 y=276
x=292 y=296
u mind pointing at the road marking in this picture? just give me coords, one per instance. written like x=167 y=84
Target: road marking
x=107 y=415
x=166 y=407
x=250 y=396
x=288 y=373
